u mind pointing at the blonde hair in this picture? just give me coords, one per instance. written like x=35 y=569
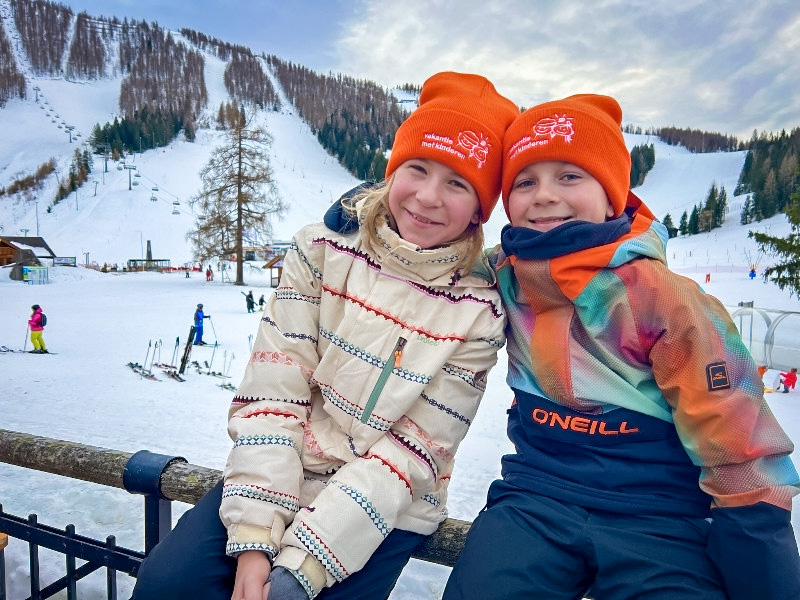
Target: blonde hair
x=375 y=212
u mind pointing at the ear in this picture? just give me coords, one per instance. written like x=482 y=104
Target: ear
x=476 y=218
x=609 y=210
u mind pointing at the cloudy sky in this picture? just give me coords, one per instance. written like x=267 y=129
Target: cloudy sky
x=727 y=66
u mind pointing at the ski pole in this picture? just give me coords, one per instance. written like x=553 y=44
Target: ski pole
x=25 y=345
x=175 y=351
x=250 y=342
x=212 y=328
x=228 y=370
x=144 y=366
x=212 y=355
x=156 y=346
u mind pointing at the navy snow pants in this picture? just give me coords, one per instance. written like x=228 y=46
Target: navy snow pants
x=529 y=547
x=191 y=561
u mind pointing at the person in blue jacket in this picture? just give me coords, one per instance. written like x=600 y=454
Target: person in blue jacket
x=198 y=325
x=646 y=463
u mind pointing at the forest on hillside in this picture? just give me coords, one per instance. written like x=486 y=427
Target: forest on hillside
x=163 y=92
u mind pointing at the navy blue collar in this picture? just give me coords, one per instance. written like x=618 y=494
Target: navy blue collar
x=564 y=239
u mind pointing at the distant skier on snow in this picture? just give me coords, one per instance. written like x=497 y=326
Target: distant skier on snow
x=250 y=300
x=198 y=325
x=36 y=324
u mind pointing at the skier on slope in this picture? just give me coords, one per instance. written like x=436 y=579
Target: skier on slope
x=198 y=325
x=36 y=325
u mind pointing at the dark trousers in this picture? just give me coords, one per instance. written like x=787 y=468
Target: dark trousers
x=525 y=546
x=191 y=561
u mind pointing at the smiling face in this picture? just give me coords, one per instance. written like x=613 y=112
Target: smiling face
x=431 y=204
x=547 y=194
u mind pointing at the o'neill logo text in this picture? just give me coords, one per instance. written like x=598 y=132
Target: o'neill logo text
x=468 y=145
x=579 y=424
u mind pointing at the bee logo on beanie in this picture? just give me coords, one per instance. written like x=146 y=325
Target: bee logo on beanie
x=553 y=126
x=477 y=144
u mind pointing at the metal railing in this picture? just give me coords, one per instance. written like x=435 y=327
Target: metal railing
x=161 y=479
x=770 y=334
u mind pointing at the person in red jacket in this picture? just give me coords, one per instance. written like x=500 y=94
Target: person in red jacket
x=789 y=380
x=36 y=325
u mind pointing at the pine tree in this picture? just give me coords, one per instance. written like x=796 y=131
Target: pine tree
x=694 y=221
x=683 y=227
x=710 y=207
x=786 y=274
x=721 y=209
x=238 y=195
x=667 y=222
x=747 y=211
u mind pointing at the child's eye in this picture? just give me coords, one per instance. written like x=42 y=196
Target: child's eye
x=457 y=183
x=523 y=183
x=417 y=167
x=571 y=177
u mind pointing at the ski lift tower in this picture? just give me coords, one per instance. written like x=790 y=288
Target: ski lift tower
x=130 y=168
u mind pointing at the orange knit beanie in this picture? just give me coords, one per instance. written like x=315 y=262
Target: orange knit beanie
x=460 y=123
x=583 y=130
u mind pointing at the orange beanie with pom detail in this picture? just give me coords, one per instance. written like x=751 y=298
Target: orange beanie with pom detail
x=583 y=130
x=460 y=123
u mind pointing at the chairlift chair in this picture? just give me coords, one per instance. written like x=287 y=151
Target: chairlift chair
x=155 y=188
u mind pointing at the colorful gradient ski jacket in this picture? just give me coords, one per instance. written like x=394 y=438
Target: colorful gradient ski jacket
x=632 y=386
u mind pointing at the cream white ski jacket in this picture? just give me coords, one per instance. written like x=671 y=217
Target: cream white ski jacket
x=365 y=375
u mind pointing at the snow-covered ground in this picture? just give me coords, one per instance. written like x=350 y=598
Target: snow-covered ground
x=97 y=322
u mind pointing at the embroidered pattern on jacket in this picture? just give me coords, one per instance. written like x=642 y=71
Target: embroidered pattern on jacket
x=278 y=358
x=255 y=492
x=351 y=409
x=437 y=449
x=232 y=549
x=317 y=548
x=266 y=440
x=397 y=472
x=291 y=294
x=245 y=400
x=366 y=505
x=392 y=318
x=290 y=335
x=374 y=361
x=433 y=293
x=446 y=409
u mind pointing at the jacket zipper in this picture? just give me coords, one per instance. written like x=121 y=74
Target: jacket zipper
x=391 y=364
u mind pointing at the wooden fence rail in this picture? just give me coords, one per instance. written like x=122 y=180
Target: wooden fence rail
x=179 y=480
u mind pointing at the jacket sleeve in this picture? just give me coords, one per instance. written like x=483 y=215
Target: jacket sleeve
x=263 y=474
x=710 y=380
x=370 y=496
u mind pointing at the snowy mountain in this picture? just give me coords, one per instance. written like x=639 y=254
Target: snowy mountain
x=145 y=197
x=99 y=322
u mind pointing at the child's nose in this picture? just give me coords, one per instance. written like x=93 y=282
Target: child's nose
x=545 y=194
x=428 y=193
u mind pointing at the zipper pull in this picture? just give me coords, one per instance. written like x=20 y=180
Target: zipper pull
x=398 y=352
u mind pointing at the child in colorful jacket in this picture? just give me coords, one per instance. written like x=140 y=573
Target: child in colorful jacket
x=367 y=370
x=647 y=462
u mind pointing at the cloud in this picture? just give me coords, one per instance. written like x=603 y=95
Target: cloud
x=723 y=65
